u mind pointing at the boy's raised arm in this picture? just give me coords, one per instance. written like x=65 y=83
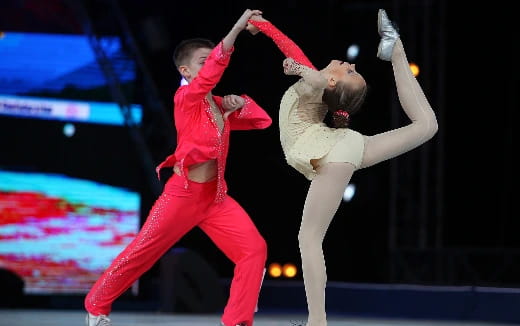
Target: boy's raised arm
x=229 y=40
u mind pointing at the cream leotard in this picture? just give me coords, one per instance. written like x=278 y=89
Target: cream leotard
x=306 y=140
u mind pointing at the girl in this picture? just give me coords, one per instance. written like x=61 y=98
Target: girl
x=329 y=156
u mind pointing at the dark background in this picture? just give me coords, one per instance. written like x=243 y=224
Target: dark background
x=441 y=214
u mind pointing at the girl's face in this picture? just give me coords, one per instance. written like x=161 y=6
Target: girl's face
x=344 y=72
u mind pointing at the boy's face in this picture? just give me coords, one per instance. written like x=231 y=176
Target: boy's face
x=191 y=70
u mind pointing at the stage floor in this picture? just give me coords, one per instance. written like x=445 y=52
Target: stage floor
x=20 y=317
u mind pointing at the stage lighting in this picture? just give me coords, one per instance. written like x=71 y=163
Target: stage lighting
x=350 y=190
x=275 y=270
x=289 y=270
x=415 y=69
x=69 y=130
x=352 y=52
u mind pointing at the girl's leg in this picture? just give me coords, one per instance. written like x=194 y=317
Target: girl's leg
x=323 y=199
x=423 y=124
x=232 y=230
x=169 y=219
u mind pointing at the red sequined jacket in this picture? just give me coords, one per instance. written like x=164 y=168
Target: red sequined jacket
x=198 y=136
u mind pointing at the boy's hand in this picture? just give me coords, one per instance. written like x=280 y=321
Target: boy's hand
x=231 y=103
x=229 y=40
x=242 y=21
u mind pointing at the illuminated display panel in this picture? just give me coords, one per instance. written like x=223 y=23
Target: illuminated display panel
x=59 y=233
x=69 y=201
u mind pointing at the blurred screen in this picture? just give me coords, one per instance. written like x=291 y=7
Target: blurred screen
x=70 y=174
x=59 y=233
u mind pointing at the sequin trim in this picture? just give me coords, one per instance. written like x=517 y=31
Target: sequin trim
x=221 y=148
x=220 y=54
x=180 y=165
x=245 y=111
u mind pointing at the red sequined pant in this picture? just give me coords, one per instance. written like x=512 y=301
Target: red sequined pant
x=176 y=212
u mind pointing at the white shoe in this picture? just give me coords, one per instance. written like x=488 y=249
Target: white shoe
x=388 y=34
x=100 y=320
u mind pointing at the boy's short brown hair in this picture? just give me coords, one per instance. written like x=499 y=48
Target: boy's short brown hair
x=184 y=50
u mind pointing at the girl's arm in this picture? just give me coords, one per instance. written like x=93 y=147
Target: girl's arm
x=284 y=43
x=297 y=62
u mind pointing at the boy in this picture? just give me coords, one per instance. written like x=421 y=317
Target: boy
x=195 y=195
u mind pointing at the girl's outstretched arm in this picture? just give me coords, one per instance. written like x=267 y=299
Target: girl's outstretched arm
x=296 y=62
x=284 y=43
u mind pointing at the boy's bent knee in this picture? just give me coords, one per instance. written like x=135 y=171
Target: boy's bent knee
x=257 y=248
x=260 y=246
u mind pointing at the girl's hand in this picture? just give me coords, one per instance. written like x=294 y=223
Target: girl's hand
x=252 y=28
x=291 y=67
x=242 y=21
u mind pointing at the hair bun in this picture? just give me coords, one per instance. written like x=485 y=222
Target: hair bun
x=340 y=118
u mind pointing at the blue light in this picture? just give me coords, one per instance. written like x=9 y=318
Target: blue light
x=69 y=130
x=349 y=193
x=66 y=110
x=352 y=52
x=35 y=62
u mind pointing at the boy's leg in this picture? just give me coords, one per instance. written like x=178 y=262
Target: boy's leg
x=233 y=231
x=169 y=219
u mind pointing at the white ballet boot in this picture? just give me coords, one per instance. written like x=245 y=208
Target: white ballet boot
x=100 y=320
x=388 y=34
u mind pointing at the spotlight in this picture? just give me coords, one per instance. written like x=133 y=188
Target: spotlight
x=69 y=130
x=415 y=69
x=289 y=270
x=352 y=52
x=275 y=270
x=349 y=192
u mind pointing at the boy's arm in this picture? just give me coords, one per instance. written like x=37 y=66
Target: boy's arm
x=214 y=66
x=249 y=115
x=190 y=96
x=229 y=40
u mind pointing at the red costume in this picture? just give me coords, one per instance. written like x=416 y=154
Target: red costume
x=185 y=204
